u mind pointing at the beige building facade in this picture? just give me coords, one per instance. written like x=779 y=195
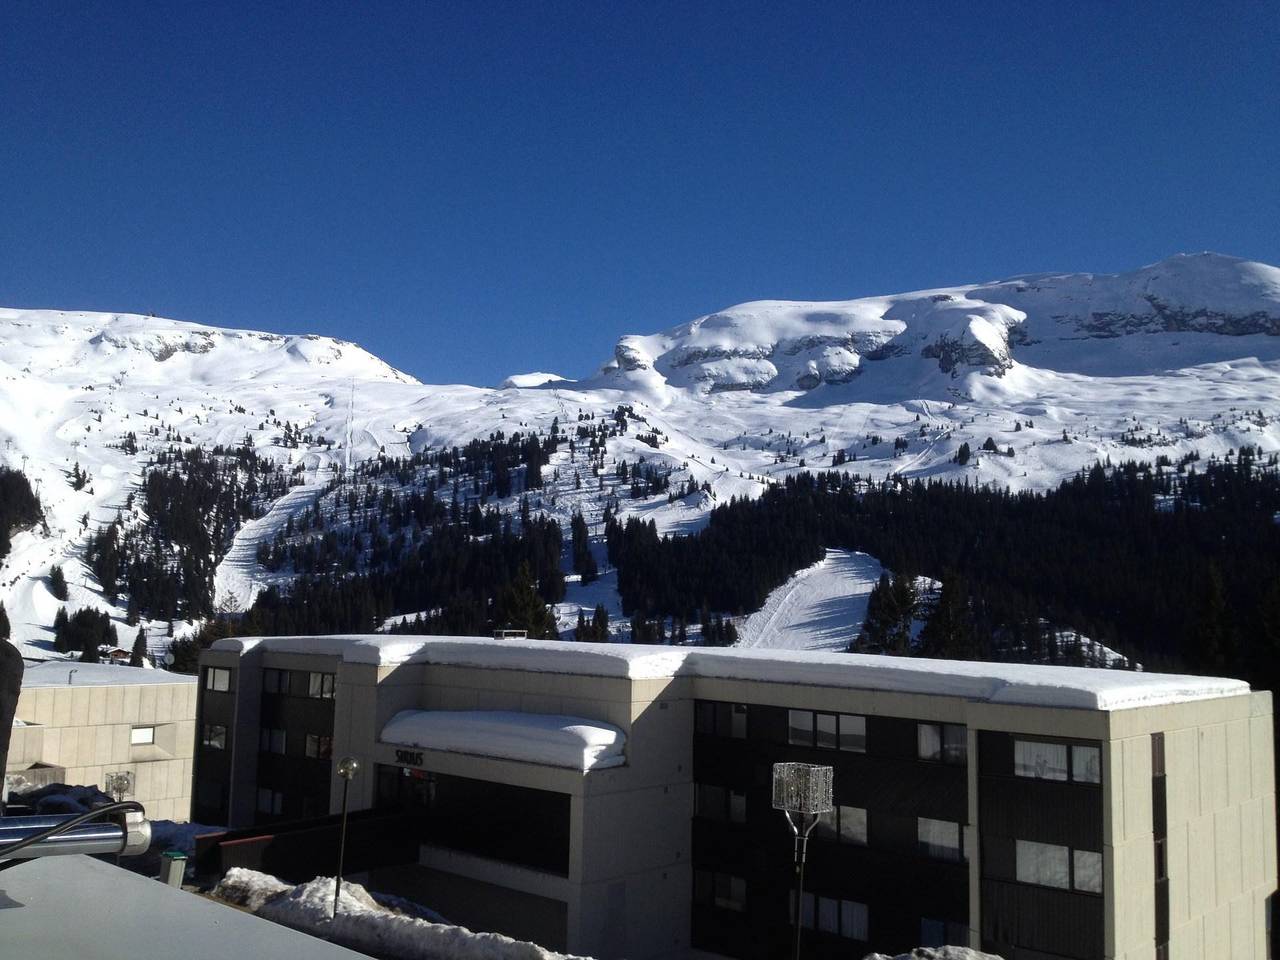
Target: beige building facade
x=1042 y=813
x=78 y=723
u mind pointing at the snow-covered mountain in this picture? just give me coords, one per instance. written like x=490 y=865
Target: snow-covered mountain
x=1057 y=370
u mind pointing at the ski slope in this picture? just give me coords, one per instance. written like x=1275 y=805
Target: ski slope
x=821 y=608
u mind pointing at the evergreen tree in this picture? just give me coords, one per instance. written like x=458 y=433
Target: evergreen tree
x=57 y=582
x=949 y=631
x=4 y=623
x=519 y=607
x=139 y=652
x=1214 y=627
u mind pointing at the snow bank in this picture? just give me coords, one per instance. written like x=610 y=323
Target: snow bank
x=548 y=739
x=362 y=923
x=1082 y=688
x=55 y=673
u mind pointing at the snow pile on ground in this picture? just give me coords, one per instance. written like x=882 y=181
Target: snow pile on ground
x=935 y=953
x=362 y=923
x=549 y=739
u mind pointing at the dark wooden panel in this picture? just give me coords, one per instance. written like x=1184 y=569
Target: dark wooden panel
x=1057 y=922
x=1047 y=811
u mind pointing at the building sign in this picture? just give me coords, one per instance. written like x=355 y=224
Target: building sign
x=411 y=757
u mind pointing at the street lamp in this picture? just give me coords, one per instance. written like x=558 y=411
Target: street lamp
x=802 y=791
x=348 y=767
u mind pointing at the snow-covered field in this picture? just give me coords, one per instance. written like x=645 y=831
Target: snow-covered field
x=1065 y=370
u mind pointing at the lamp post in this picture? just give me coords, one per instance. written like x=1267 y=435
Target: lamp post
x=348 y=767
x=802 y=791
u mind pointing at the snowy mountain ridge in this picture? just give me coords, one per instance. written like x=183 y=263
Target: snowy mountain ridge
x=1057 y=371
x=788 y=345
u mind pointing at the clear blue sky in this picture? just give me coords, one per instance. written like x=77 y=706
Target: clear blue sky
x=471 y=190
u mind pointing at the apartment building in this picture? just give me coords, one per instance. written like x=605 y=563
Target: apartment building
x=613 y=800
x=79 y=723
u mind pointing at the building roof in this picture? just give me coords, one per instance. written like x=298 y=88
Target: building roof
x=1015 y=683
x=53 y=673
x=548 y=739
x=122 y=916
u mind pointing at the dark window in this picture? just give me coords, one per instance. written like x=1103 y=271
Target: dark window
x=800 y=728
x=319 y=747
x=1157 y=754
x=945 y=742
x=843 y=824
x=214 y=736
x=210 y=793
x=722 y=890
x=1086 y=764
x=943 y=933
x=275 y=681
x=270 y=802
x=710 y=802
x=271 y=740
x=217 y=679
x=827 y=736
x=853 y=733
x=939 y=839
x=720 y=719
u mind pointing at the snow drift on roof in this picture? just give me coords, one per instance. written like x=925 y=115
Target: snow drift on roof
x=53 y=673
x=1015 y=683
x=548 y=739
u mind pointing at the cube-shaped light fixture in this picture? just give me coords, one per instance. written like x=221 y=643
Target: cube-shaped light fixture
x=802 y=788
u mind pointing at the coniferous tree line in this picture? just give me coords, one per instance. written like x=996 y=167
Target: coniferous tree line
x=18 y=506
x=1177 y=567
x=458 y=584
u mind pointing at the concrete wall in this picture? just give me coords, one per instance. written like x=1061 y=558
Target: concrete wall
x=1220 y=790
x=86 y=729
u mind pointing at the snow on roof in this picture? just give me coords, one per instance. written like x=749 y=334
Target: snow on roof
x=548 y=739
x=1015 y=683
x=54 y=673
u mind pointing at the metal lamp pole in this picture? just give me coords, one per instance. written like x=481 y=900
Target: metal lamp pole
x=802 y=791
x=348 y=767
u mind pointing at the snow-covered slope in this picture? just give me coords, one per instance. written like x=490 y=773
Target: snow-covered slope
x=1057 y=370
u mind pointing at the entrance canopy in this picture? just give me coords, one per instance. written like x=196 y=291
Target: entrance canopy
x=548 y=739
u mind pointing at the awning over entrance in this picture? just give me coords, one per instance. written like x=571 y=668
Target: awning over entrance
x=548 y=739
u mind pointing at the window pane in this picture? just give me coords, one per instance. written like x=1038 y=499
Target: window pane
x=853 y=733
x=215 y=736
x=737 y=807
x=1044 y=761
x=141 y=736
x=1088 y=870
x=312 y=748
x=853 y=825
x=955 y=743
x=928 y=741
x=738 y=723
x=827 y=731
x=828 y=915
x=957 y=934
x=1086 y=764
x=1042 y=863
x=806 y=911
x=853 y=920
x=705 y=717
x=702 y=886
x=314 y=682
x=723 y=713
x=825 y=828
x=800 y=727
x=711 y=801
x=939 y=839
x=326 y=748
